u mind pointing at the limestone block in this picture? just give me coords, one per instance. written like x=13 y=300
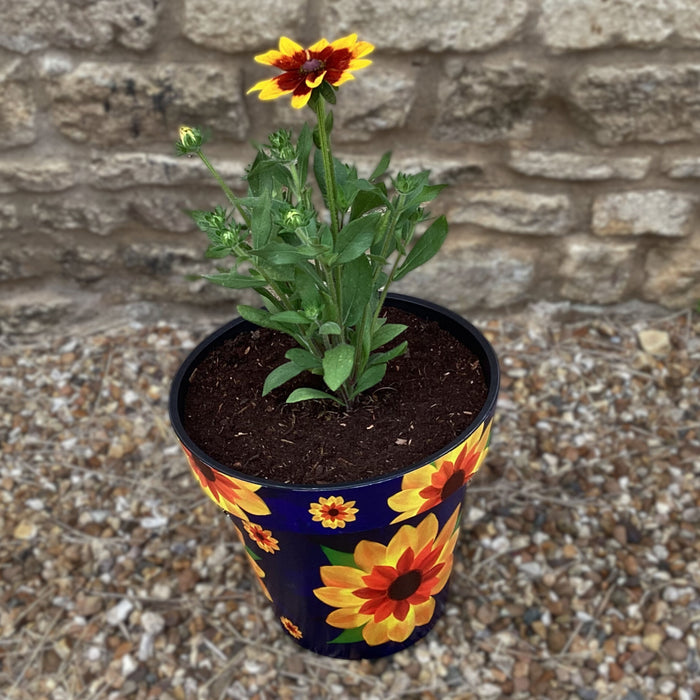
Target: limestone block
x=8 y=217
x=571 y=25
x=80 y=212
x=116 y=171
x=658 y=212
x=672 y=274
x=688 y=166
x=657 y=103
x=441 y=25
x=126 y=103
x=489 y=102
x=561 y=165
x=17 y=106
x=37 y=175
x=93 y=25
x=513 y=211
x=473 y=273
x=247 y=26
x=596 y=271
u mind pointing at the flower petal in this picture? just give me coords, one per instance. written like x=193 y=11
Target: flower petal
x=289 y=47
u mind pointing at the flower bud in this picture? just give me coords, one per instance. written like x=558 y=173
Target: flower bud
x=190 y=139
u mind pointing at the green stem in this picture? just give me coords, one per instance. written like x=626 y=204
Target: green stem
x=227 y=190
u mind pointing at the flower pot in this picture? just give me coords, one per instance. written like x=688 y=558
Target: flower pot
x=353 y=570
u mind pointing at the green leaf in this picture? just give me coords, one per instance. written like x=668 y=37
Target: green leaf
x=306 y=394
x=304 y=145
x=381 y=166
x=356 y=288
x=367 y=200
x=373 y=375
x=303 y=358
x=387 y=333
x=425 y=247
x=337 y=558
x=330 y=328
x=349 y=636
x=280 y=375
x=252 y=554
x=355 y=238
x=337 y=365
x=259 y=317
x=290 y=317
x=234 y=280
x=384 y=357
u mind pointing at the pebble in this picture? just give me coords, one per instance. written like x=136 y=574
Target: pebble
x=654 y=342
x=578 y=539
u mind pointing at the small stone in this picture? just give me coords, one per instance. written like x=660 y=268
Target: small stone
x=119 y=612
x=675 y=649
x=556 y=640
x=615 y=673
x=25 y=530
x=654 y=342
x=653 y=641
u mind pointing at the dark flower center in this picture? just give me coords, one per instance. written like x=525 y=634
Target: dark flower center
x=312 y=65
x=333 y=512
x=207 y=472
x=405 y=585
x=452 y=484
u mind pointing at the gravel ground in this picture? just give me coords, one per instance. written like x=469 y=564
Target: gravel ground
x=577 y=575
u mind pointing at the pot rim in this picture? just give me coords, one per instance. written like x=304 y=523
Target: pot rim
x=482 y=347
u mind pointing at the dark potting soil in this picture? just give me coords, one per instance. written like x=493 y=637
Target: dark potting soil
x=427 y=398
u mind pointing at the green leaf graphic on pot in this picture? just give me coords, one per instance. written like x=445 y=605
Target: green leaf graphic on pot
x=235 y=496
x=333 y=512
x=427 y=487
x=385 y=591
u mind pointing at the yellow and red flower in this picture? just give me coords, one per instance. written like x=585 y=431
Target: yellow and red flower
x=291 y=627
x=263 y=538
x=391 y=589
x=235 y=496
x=333 y=511
x=424 y=488
x=306 y=69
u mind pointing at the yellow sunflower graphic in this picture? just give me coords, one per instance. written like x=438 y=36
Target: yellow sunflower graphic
x=263 y=538
x=305 y=69
x=235 y=496
x=333 y=512
x=391 y=589
x=291 y=627
x=427 y=487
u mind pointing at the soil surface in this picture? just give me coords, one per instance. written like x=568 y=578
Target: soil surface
x=427 y=398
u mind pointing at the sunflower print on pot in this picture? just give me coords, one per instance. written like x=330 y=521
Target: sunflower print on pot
x=235 y=496
x=291 y=627
x=427 y=487
x=333 y=512
x=383 y=592
x=252 y=560
x=263 y=538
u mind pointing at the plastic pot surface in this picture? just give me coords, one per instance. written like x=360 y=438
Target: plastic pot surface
x=353 y=570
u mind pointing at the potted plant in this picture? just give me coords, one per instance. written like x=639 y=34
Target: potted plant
x=351 y=540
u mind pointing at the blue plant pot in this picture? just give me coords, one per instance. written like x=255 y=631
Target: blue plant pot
x=353 y=570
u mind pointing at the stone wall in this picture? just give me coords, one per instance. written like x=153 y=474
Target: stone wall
x=568 y=129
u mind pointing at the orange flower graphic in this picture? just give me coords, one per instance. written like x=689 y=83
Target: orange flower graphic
x=291 y=627
x=333 y=511
x=430 y=485
x=257 y=569
x=235 y=496
x=306 y=69
x=263 y=538
x=390 y=590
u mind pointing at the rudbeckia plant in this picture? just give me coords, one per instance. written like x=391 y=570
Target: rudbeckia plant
x=350 y=536
x=323 y=275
